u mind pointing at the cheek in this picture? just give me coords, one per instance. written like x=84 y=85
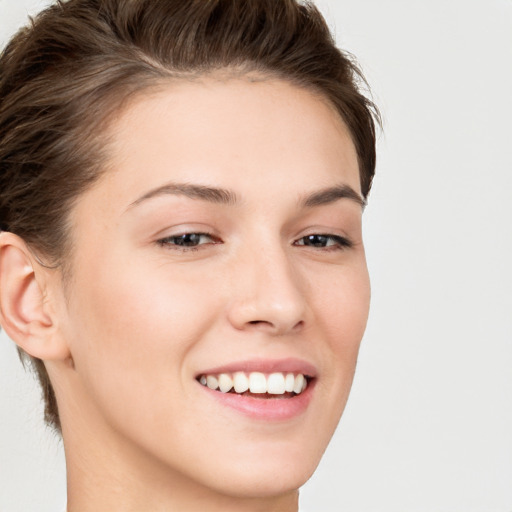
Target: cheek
x=343 y=314
x=345 y=306
x=136 y=325
x=132 y=335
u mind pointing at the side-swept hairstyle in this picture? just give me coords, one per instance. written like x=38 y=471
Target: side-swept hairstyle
x=67 y=75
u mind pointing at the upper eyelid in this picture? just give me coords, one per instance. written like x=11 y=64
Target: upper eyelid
x=210 y=231
x=183 y=233
x=176 y=231
x=343 y=240
x=318 y=232
x=324 y=232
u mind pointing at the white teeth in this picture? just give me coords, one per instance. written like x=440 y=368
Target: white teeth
x=289 y=382
x=299 y=381
x=225 y=382
x=212 y=382
x=275 y=384
x=257 y=383
x=241 y=382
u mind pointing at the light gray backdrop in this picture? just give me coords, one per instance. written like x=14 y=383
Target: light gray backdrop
x=428 y=427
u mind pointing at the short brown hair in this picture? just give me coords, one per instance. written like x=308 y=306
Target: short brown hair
x=63 y=78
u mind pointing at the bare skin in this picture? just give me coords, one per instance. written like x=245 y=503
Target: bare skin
x=266 y=177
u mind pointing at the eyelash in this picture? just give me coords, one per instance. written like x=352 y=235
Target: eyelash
x=339 y=243
x=167 y=241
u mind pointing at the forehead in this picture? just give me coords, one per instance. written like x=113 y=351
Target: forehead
x=234 y=133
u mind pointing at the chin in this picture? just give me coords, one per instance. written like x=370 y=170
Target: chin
x=265 y=482
x=269 y=472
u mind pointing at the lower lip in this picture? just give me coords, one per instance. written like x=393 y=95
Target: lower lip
x=268 y=409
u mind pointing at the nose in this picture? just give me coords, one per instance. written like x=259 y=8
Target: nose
x=267 y=294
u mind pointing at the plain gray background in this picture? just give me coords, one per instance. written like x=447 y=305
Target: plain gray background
x=428 y=427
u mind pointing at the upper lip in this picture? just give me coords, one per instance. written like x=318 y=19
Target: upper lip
x=288 y=365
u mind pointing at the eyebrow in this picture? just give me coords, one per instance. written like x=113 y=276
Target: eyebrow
x=210 y=194
x=332 y=194
x=228 y=197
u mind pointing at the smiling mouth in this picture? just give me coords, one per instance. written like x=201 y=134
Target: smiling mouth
x=257 y=384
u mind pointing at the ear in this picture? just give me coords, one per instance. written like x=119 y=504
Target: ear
x=25 y=313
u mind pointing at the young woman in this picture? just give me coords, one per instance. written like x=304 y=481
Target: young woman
x=181 y=259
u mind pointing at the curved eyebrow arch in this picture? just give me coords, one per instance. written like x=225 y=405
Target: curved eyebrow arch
x=332 y=194
x=228 y=197
x=192 y=191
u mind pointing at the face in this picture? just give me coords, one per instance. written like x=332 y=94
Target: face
x=222 y=246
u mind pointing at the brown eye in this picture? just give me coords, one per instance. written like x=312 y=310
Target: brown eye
x=187 y=240
x=324 y=241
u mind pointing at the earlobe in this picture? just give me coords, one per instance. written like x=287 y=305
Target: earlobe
x=23 y=310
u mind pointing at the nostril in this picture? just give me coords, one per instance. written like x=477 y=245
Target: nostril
x=264 y=324
x=274 y=328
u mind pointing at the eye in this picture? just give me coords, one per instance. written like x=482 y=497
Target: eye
x=187 y=240
x=320 y=241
